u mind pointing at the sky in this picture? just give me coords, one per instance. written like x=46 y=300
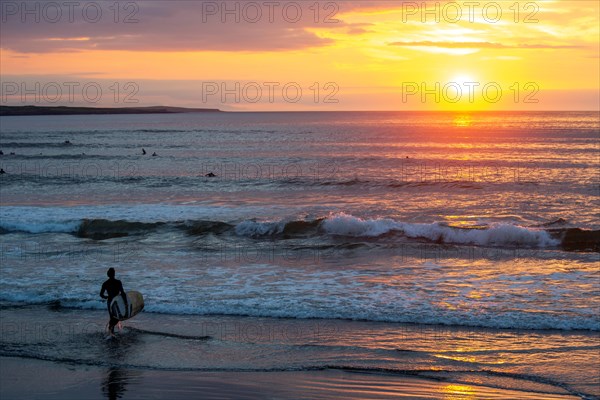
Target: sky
x=303 y=55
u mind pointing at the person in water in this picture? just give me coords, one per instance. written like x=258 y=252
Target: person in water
x=113 y=287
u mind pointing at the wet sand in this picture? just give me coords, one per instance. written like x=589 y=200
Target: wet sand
x=35 y=379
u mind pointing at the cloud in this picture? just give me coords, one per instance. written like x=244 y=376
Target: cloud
x=166 y=26
x=480 y=45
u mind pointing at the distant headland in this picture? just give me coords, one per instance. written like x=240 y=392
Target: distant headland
x=63 y=110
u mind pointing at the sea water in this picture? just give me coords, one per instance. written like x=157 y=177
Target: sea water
x=461 y=220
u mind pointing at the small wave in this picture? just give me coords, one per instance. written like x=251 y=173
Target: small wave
x=57 y=144
x=349 y=182
x=577 y=239
x=385 y=183
x=147 y=130
x=207 y=227
x=363 y=312
x=167 y=334
x=100 y=229
x=285 y=228
x=500 y=234
x=558 y=221
x=441 y=184
x=492 y=235
x=447 y=375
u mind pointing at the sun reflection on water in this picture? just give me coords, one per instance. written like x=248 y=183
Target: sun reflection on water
x=462 y=121
x=458 y=392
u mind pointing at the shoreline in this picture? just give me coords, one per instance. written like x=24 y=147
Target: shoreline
x=441 y=328
x=60 y=353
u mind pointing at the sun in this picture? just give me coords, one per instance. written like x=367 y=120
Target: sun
x=463 y=79
x=462 y=92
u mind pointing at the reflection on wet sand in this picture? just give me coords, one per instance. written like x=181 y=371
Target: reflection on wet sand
x=115 y=382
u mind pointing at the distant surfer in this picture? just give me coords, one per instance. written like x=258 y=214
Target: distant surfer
x=2 y=171
x=113 y=287
x=154 y=154
x=143 y=151
x=210 y=175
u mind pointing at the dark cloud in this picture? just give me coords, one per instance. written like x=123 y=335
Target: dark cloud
x=169 y=26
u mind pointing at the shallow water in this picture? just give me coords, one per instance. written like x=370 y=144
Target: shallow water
x=542 y=362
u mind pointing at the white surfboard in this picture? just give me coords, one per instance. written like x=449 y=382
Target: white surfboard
x=135 y=304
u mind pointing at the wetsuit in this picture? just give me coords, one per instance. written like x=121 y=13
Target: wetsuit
x=113 y=287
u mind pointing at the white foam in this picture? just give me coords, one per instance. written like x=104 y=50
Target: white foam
x=497 y=234
x=428 y=295
x=41 y=226
x=348 y=225
x=366 y=307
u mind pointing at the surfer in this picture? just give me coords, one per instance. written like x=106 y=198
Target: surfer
x=113 y=287
x=143 y=151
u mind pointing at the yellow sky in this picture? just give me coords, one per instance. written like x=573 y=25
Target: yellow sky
x=383 y=53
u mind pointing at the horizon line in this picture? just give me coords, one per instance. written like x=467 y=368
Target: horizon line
x=216 y=109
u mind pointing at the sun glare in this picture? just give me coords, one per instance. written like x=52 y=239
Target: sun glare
x=462 y=79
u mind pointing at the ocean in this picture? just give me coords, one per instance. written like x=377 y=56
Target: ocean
x=479 y=228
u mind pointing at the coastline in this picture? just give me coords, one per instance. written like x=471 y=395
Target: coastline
x=16 y=111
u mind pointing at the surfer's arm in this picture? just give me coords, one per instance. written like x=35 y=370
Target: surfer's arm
x=123 y=294
x=102 y=290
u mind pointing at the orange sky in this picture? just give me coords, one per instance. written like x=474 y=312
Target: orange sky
x=378 y=55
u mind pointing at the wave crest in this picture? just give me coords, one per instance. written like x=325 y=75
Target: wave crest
x=499 y=234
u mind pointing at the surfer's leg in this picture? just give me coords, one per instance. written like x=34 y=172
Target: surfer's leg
x=111 y=325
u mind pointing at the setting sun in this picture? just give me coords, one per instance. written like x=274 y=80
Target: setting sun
x=462 y=79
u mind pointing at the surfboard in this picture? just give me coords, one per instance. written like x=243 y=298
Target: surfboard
x=135 y=304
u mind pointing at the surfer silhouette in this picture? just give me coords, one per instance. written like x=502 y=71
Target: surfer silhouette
x=113 y=287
